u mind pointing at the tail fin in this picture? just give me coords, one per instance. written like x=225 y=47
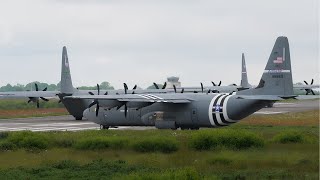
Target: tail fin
x=66 y=82
x=244 y=76
x=277 y=76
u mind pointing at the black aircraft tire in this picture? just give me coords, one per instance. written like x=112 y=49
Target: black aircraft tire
x=78 y=118
x=102 y=127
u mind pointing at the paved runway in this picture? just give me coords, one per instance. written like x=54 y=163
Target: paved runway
x=297 y=106
x=67 y=123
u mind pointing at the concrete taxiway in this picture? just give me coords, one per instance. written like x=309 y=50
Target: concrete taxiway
x=67 y=123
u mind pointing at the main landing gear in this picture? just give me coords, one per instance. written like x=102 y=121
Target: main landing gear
x=186 y=128
x=104 y=126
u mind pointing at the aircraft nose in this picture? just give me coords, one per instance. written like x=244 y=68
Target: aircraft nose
x=86 y=113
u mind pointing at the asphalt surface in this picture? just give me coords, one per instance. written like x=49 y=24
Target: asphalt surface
x=67 y=123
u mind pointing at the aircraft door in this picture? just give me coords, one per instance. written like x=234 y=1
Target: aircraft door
x=194 y=116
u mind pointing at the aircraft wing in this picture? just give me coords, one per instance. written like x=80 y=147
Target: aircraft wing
x=163 y=98
x=26 y=94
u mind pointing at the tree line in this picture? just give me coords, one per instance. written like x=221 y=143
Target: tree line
x=50 y=87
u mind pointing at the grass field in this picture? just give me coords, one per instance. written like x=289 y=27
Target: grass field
x=21 y=109
x=282 y=146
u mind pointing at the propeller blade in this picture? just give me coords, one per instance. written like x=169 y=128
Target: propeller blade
x=98 y=88
x=306 y=82
x=125 y=110
x=119 y=107
x=201 y=87
x=92 y=104
x=209 y=91
x=164 y=85
x=36 y=85
x=29 y=101
x=45 y=89
x=219 y=83
x=97 y=109
x=213 y=83
x=125 y=88
x=156 y=85
x=175 y=88
x=91 y=93
x=311 y=82
x=135 y=87
x=38 y=104
x=125 y=85
x=182 y=90
x=312 y=92
x=44 y=99
x=106 y=93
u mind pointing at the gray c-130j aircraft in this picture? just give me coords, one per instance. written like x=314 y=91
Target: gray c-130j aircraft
x=195 y=110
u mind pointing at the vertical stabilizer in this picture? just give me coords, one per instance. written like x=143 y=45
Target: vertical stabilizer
x=66 y=82
x=244 y=76
x=277 y=75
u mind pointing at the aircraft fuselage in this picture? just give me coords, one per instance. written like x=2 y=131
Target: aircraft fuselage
x=206 y=110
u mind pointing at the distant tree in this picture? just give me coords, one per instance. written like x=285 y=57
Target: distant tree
x=58 y=86
x=7 y=87
x=18 y=87
x=52 y=87
x=106 y=85
x=153 y=87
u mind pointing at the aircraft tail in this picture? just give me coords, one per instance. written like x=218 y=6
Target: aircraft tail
x=244 y=76
x=66 y=82
x=277 y=76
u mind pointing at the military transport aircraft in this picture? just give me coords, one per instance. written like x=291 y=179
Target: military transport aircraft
x=194 y=110
x=76 y=108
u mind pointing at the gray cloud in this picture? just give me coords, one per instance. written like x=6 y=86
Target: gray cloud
x=144 y=41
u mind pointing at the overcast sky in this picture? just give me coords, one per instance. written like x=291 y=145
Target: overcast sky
x=144 y=41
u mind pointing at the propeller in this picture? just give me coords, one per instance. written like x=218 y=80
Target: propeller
x=201 y=87
x=214 y=84
x=36 y=99
x=182 y=90
x=157 y=86
x=175 y=88
x=164 y=85
x=96 y=102
x=125 y=86
x=209 y=91
x=308 y=91
x=125 y=108
x=98 y=88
